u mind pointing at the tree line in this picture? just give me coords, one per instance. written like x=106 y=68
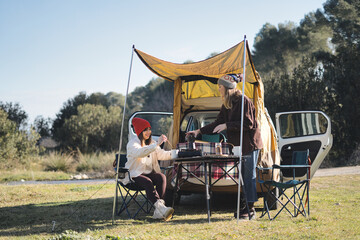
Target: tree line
x=310 y=66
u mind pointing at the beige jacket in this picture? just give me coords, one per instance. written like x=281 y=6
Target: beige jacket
x=136 y=157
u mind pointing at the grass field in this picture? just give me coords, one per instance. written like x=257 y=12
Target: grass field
x=27 y=212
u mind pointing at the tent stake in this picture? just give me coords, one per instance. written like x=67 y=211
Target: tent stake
x=121 y=135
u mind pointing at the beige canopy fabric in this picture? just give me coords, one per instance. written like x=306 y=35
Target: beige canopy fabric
x=230 y=61
x=195 y=87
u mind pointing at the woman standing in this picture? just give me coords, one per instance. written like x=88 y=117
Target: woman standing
x=229 y=119
x=143 y=154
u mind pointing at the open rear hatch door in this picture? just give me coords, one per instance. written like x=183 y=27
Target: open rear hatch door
x=302 y=130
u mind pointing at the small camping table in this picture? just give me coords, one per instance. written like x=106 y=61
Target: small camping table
x=206 y=161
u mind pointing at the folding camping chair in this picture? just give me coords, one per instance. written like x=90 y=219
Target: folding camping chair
x=295 y=177
x=130 y=192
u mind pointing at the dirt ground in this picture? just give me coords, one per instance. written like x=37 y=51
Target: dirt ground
x=337 y=171
x=321 y=172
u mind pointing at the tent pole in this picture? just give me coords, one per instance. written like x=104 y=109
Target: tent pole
x=241 y=133
x=121 y=136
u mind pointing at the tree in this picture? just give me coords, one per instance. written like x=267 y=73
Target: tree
x=70 y=108
x=15 y=145
x=157 y=95
x=115 y=99
x=160 y=96
x=15 y=113
x=325 y=48
x=43 y=126
x=278 y=51
x=342 y=73
x=93 y=128
x=304 y=89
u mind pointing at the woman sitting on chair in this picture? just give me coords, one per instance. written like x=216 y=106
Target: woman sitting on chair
x=143 y=154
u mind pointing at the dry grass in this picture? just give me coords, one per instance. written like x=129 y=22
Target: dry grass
x=60 y=166
x=27 y=211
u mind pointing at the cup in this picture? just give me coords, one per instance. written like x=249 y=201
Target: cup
x=236 y=150
x=218 y=150
x=174 y=153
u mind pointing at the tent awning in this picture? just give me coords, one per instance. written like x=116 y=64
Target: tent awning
x=228 y=62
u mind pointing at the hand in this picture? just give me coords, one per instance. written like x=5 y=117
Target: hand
x=162 y=139
x=240 y=76
x=219 y=128
x=195 y=132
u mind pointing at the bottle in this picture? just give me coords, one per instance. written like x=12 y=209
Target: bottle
x=218 y=150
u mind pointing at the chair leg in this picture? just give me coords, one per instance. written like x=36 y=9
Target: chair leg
x=146 y=204
x=301 y=199
x=296 y=200
x=125 y=201
x=127 y=198
x=266 y=210
x=283 y=206
x=299 y=208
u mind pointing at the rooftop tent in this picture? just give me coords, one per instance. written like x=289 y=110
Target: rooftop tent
x=195 y=88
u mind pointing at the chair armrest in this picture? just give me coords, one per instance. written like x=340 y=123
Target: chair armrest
x=261 y=172
x=122 y=173
x=262 y=168
x=122 y=169
x=166 y=168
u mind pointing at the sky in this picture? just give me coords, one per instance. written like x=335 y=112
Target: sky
x=50 y=50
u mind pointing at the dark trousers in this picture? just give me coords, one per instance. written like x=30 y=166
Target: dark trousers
x=148 y=181
x=249 y=175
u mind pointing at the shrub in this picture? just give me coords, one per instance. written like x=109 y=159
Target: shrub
x=100 y=162
x=58 y=162
x=15 y=145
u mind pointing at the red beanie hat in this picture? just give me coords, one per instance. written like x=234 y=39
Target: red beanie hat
x=140 y=125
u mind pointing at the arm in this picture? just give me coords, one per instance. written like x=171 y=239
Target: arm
x=162 y=154
x=210 y=128
x=135 y=150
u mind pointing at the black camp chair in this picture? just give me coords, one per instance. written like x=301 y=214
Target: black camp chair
x=130 y=193
x=295 y=177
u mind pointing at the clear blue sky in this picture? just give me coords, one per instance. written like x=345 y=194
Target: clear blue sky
x=50 y=50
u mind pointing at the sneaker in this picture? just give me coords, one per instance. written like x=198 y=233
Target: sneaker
x=157 y=214
x=161 y=211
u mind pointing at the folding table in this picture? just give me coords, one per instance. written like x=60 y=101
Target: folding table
x=207 y=161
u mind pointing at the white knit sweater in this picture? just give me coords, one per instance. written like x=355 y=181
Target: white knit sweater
x=136 y=157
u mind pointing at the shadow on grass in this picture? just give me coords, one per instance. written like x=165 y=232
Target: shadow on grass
x=93 y=214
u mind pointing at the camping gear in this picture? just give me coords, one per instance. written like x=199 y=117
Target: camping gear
x=216 y=170
x=195 y=88
x=293 y=190
x=190 y=150
x=130 y=192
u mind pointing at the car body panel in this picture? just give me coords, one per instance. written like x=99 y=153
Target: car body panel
x=317 y=138
x=302 y=130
